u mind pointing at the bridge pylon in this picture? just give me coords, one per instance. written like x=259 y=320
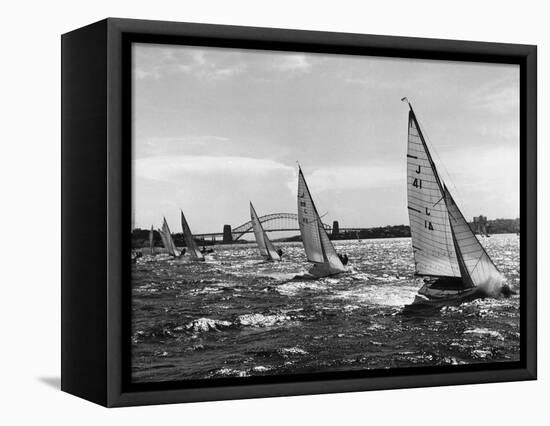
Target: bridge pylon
x=227 y=235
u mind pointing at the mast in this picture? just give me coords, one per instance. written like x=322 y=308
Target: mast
x=463 y=270
x=432 y=241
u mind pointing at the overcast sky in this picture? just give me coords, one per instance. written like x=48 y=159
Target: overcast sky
x=215 y=128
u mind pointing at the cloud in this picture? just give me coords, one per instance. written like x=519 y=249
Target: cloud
x=151 y=73
x=172 y=168
x=354 y=177
x=152 y=62
x=499 y=96
x=292 y=63
x=159 y=146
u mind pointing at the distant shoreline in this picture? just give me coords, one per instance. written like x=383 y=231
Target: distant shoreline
x=140 y=237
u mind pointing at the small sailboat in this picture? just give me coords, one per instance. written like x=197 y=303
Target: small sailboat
x=152 y=241
x=318 y=247
x=266 y=247
x=168 y=241
x=449 y=259
x=194 y=251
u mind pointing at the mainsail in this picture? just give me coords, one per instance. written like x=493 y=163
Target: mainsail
x=194 y=251
x=264 y=244
x=152 y=241
x=443 y=243
x=318 y=247
x=433 y=246
x=166 y=236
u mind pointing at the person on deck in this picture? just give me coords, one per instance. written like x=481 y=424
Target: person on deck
x=343 y=258
x=280 y=252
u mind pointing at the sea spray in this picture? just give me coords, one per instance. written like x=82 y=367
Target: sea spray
x=493 y=285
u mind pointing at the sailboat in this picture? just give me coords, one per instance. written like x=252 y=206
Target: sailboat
x=167 y=240
x=152 y=241
x=318 y=247
x=194 y=251
x=267 y=249
x=449 y=259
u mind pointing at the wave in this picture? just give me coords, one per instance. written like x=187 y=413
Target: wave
x=293 y=288
x=231 y=372
x=485 y=332
x=205 y=324
x=261 y=320
x=295 y=350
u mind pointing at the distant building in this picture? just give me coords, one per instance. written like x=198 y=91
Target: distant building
x=480 y=225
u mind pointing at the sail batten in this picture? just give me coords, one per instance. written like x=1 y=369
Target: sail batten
x=318 y=247
x=265 y=246
x=194 y=251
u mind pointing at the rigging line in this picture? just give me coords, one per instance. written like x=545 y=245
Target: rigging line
x=438 y=201
x=434 y=150
x=477 y=263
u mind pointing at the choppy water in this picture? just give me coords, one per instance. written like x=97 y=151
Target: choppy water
x=235 y=315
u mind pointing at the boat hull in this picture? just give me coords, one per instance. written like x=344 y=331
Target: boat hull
x=324 y=270
x=434 y=296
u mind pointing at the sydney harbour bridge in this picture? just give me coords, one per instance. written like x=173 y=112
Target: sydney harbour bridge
x=275 y=222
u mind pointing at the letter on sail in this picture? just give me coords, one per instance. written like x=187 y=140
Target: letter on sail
x=318 y=247
x=264 y=244
x=194 y=251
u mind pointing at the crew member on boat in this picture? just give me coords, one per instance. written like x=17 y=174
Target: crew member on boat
x=343 y=258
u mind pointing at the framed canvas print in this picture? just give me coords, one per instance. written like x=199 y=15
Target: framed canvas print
x=252 y=212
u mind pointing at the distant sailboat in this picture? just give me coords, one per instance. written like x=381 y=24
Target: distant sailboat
x=264 y=244
x=152 y=241
x=318 y=247
x=168 y=241
x=448 y=256
x=194 y=251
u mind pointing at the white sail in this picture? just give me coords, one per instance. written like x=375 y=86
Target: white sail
x=152 y=241
x=479 y=268
x=318 y=247
x=163 y=238
x=169 y=242
x=194 y=251
x=433 y=247
x=264 y=244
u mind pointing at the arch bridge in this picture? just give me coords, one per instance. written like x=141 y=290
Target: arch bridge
x=274 y=222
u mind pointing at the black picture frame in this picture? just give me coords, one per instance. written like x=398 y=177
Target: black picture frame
x=96 y=105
